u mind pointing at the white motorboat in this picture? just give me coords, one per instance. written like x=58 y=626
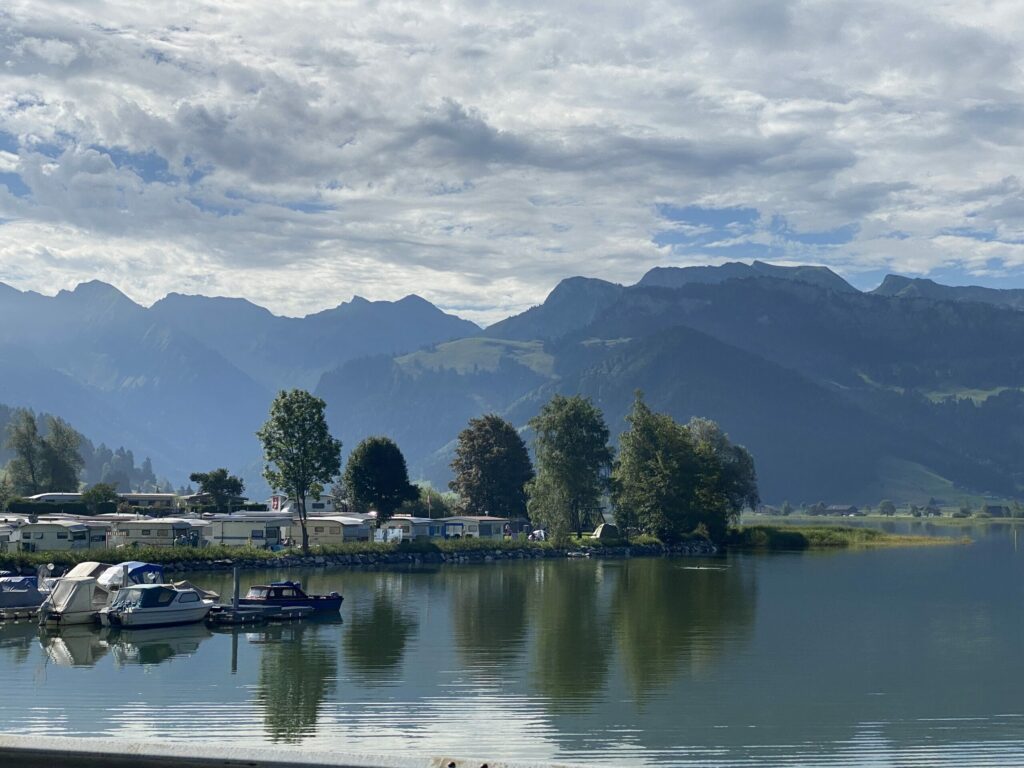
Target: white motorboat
x=155 y=605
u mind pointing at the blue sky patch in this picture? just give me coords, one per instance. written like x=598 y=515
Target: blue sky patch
x=15 y=184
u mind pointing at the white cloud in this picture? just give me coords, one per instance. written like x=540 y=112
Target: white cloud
x=475 y=153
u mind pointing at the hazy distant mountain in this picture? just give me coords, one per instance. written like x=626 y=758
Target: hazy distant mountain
x=909 y=391
x=286 y=352
x=574 y=303
x=839 y=394
x=190 y=380
x=922 y=288
x=676 y=277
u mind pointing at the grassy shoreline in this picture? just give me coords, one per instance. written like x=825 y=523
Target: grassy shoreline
x=825 y=537
x=168 y=555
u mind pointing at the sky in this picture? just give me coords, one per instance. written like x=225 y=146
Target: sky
x=475 y=153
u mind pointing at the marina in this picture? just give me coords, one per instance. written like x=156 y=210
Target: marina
x=649 y=661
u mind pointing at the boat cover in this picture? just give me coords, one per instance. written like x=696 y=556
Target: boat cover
x=72 y=595
x=138 y=573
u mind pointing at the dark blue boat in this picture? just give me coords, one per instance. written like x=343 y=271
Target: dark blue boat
x=288 y=594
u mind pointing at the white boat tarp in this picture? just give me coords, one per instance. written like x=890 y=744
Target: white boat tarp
x=138 y=573
x=72 y=595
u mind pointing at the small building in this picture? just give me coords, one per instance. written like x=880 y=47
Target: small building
x=996 y=510
x=158 y=532
x=53 y=535
x=415 y=527
x=474 y=527
x=323 y=507
x=842 y=510
x=246 y=529
x=197 y=501
x=150 y=500
x=331 y=530
x=55 y=498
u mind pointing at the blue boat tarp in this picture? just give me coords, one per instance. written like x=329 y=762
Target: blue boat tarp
x=19 y=582
x=138 y=573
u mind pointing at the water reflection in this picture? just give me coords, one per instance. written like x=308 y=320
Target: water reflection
x=17 y=639
x=157 y=645
x=570 y=662
x=74 y=646
x=298 y=669
x=377 y=636
x=489 y=613
x=679 y=616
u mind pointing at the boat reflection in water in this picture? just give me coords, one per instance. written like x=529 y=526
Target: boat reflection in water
x=77 y=645
x=154 y=646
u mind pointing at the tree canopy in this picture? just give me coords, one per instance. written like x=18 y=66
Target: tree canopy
x=376 y=478
x=100 y=496
x=219 y=485
x=300 y=456
x=492 y=468
x=670 y=480
x=573 y=460
x=47 y=462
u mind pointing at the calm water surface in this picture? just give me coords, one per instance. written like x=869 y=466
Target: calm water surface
x=888 y=657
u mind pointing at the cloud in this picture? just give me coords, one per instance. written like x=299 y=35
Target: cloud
x=476 y=153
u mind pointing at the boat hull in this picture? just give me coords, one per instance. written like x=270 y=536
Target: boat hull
x=325 y=604
x=68 y=618
x=155 y=618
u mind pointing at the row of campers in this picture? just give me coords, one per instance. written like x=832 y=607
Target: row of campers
x=254 y=529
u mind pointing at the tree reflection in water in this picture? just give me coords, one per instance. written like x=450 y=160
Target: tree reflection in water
x=376 y=638
x=489 y=613
x=298 y=669
x=681 y=616
x=573 y=633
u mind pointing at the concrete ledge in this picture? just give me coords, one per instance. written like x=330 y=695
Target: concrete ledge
x=63 y=752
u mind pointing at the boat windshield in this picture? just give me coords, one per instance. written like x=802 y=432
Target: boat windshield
x=155 y=597
x=257 y=593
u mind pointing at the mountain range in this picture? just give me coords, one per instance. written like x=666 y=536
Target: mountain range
x=910 y=391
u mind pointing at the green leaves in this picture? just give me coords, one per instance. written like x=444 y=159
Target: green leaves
x=491 y=468
x=299 y=453
x=219 y=485
x=573 y=460
x=377 y=479
x=43 y=463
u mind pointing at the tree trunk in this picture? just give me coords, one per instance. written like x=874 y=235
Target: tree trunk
x=301 y=501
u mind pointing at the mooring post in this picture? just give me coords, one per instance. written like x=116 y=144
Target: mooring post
x=234 y=597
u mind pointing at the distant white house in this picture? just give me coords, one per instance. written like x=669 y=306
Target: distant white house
x=55 y=498
x=331 y=529
x=150 y=500
x=53 y=535
x=243 y=529
x=474 y=527
x=314 y=507
x=158 y=532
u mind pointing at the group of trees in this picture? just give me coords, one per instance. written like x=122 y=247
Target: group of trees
x=47 y=455
x=668 y=480
x=44 y=461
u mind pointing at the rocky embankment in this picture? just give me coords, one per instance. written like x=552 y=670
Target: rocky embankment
x=388 y=559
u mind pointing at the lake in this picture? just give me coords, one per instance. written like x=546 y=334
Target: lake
x=883 y=657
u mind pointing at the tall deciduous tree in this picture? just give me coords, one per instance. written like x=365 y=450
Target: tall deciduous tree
x=299 y=453
x=728 y=479
x=49 y=462
x=654 y=480
x=492 y=468
x=377 y=478
x=573 y=460
x=220 y=486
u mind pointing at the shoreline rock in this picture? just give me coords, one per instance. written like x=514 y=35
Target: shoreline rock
x=369 y=560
